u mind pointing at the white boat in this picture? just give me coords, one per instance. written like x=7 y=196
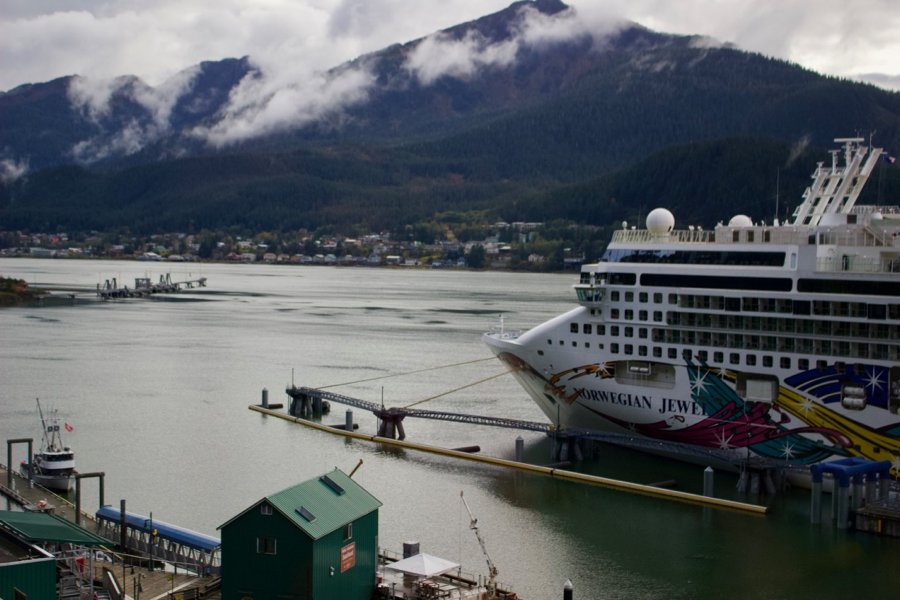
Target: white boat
x=53 y=466
x=753 y=342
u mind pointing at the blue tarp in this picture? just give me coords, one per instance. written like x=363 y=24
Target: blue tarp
x=186 y=537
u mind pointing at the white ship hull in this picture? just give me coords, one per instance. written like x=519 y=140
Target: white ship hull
x=772 y=343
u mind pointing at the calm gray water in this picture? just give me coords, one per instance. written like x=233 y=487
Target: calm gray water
x=157 y=391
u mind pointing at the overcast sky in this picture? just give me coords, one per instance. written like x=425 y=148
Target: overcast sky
x=154 y=39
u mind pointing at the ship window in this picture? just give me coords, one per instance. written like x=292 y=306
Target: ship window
x=549 y=342
x=573 y=327
x=587 y=344
x=614 y=296
x=642 y=315
x=629 y=332
x=673 y=353
x=642 y=350
x=629 y=349
x=629 y=314
x=614 y=313
x=821 y=365
x=657 y=297
x=750 y=236
x=629 y=296
x=767 y=361
x=734 y=358
x=877 y=311
x=561 y=343
x=687 y=354
x=614 y=348
x=736 y=235
x=587 y=328
x=751 y=360
x=614 y=331
x=657 y=352
x=642 y=333
x=785 y=362
x=601 y=329
x=803 y=364
x=701 y=355
x=642 y=297
x=718 y=357
x=574 y=344
x=540 y=352
x=657 y=316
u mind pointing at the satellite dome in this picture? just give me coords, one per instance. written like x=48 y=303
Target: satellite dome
x=740 y=221
x=660 y=220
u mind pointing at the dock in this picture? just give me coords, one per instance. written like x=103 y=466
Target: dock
x=131 y=571
x=143 y=287
x=626 y=486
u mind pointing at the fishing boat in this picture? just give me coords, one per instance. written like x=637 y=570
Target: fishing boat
x=777 y=343
x=54 y=465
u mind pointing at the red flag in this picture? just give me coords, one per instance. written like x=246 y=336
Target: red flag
x=69 y=427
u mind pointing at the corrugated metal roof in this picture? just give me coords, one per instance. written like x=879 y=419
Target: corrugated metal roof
x=330 y=508
x=44 y=527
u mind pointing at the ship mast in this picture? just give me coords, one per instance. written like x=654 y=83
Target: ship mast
x=835 y=189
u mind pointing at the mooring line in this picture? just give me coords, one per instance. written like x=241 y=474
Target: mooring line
x=468 y=362
x=468 y=385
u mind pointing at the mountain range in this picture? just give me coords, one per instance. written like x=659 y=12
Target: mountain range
x=525 y=114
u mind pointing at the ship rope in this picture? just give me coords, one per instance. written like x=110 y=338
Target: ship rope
x=468 y=385
x=468 y=362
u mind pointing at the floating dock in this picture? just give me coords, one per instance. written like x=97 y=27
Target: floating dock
x=616 y=484
x=144 y=287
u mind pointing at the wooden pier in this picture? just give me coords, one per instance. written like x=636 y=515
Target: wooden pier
x=143 y=287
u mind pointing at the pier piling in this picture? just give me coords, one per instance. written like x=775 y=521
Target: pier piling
x=708 y=487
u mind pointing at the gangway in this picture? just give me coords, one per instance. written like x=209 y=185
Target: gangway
x=162 y=541
x=302 y=397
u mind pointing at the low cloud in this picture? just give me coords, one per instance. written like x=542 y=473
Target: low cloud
x=11 y=169
x=796 y=150
x=267 y=102
x=94 y=98
x=440 y=54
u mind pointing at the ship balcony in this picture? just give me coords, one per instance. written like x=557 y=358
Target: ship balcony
x=589 y=295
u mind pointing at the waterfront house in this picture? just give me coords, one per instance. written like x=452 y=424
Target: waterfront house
x=314 y=541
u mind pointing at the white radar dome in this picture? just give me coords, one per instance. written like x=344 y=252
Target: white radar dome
x=740 y=221
x=660 y=220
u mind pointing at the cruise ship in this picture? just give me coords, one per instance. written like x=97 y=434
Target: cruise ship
x=752 y=343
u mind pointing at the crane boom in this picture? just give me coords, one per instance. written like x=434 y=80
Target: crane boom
x=492 y=569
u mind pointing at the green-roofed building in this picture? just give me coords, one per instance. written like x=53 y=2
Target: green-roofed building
x=27 y=570
x=317 y=540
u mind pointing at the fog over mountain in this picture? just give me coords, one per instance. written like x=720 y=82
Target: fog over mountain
x=534 y=96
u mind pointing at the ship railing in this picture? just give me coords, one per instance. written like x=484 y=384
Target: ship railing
x=643 y=236
x=855 y=264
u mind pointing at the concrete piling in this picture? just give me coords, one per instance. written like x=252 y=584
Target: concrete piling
x=708 y=487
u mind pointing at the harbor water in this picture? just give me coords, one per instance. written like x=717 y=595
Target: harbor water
x=156 y=391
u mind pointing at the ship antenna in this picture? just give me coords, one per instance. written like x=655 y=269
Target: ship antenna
x=777 y=190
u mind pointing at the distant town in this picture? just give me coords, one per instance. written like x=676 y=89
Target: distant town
x=516 y=246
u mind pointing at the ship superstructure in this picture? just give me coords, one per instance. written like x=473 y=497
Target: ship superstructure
x=752 y=340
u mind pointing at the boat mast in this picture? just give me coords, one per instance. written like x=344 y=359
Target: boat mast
x=43 y=423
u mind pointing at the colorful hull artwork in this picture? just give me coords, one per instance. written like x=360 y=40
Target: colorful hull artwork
x=804 y=425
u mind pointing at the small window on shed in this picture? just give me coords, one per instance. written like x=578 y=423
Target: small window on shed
x=348 y=531
x=265 y=509
x=266 y=545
